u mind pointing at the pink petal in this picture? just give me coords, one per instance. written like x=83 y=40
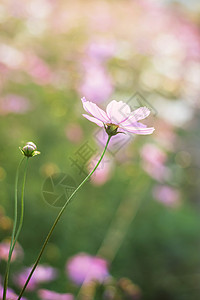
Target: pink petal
x=135 y=124
x=136 y=115
x=95 y=111
x=118 y=111
x=94 y=120
x=138 y=129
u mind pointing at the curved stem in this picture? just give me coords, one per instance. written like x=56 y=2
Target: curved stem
x=13 y=231
x=58 y=218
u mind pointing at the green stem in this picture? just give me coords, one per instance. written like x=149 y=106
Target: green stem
x=22 y=206
x=13 y=232
x=58 y=218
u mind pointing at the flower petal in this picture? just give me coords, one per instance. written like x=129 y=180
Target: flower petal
x=138 y=129
x=136 y=115
x=95 y=111
x=135 y=124
x=118 y=111
x=94 y=120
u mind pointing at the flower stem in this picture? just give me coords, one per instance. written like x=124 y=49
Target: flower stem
x=13 y=237
x=22 y=206
x=58 y=218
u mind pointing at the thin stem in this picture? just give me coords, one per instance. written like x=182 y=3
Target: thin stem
x=58 y=218
x=13 y=231
x=22 y=206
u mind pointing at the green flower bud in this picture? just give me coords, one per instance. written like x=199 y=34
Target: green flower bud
x=29 y=150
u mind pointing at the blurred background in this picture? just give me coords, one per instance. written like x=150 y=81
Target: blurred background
x=140 y=211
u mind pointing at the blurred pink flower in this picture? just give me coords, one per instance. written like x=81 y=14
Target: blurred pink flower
x=10 y=295
x=167 y=195
x=85 y=268
x=50 y=295
x=101 y=51
x=167 y=22
x=118 y=114
x=42 y=273
x=38 y=69
x=165 y=136
x=154 y=162
x=74 y=133
x=103 y=172
x=188 y=35
x=96 y=83
x=4 y=251
x=12 y=103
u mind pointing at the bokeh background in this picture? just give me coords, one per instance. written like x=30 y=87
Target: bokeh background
x=140 y=211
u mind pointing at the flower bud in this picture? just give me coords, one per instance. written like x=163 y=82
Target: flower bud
x=32 y=144
x=29 y=150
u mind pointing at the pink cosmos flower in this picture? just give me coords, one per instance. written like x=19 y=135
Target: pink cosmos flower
x=85 y=268
x=118 y=115
x=74 y=133
x=10 y=295
x=50 y=295
x=167 y=195
x=97 y=83
x=101 y=50
x=43 y=273
x=38 y=69
x=103 y=172
x=153 y=162
x=4 y=251
x=16 y=104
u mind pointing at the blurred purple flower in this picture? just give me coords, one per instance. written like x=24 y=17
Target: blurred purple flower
x=42 y=273
x=153 y=162
x=50 y=295
x=101 y=51
x=4 y=251
x=167 y=195
x=96 y=83
x=12 y=103
x=85 y=268
x=10 y=295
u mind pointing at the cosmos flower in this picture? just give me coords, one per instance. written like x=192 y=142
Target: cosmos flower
x=167 y=195
x=43 y=273
x=96 y=84
x=103 y=172
x=14 y=104
x=10 y=293
x=4 y=251
x=118 y=116
x=50 y=295
x=153 y=162
x=85 y=268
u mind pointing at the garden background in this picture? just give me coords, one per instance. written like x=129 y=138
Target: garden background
x=141 y=209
